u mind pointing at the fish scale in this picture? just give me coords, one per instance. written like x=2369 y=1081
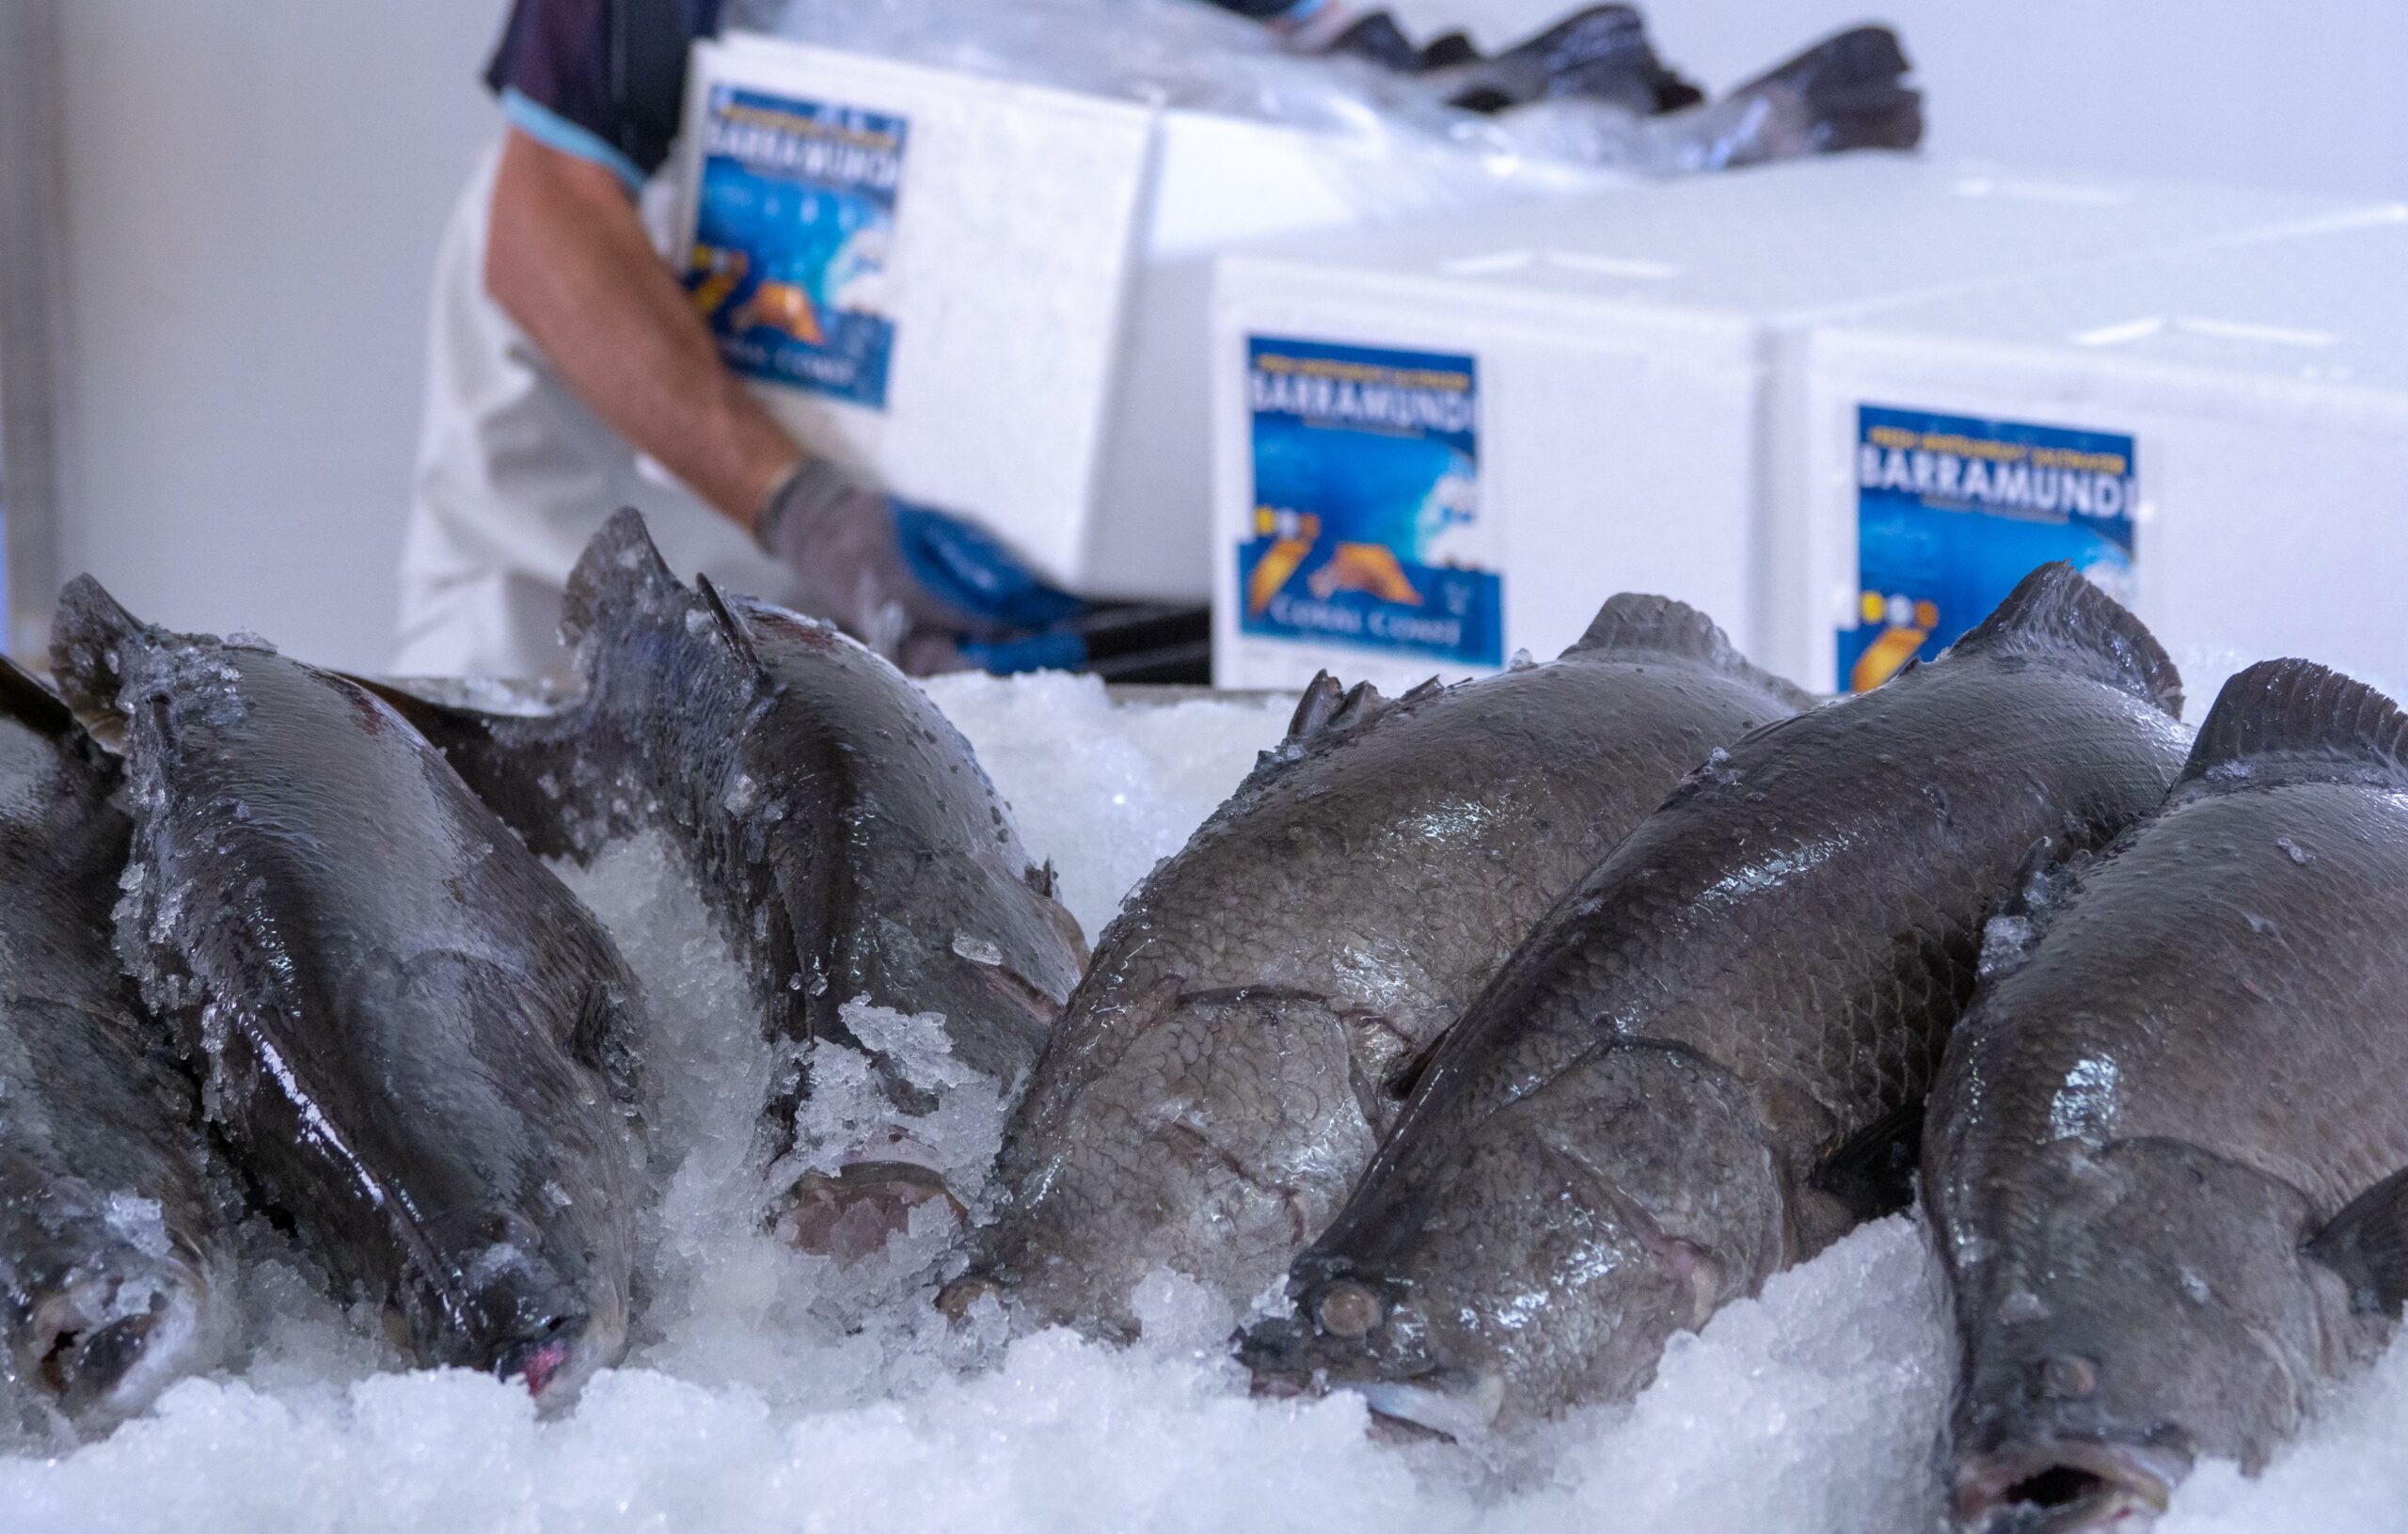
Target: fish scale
x=1766 y=966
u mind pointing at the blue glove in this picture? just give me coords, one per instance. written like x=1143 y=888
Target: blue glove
x=969 y=569
x=914 y=584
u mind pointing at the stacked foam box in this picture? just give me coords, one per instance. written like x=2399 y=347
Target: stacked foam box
x=2221 y=436
x=988 y=295
x=1438 y=444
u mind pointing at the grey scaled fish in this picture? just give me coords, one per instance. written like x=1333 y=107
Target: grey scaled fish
x=1705 y=1063
x=114 y=1270
x=1253 y=1017
x=2168 y=1162
x=406 y=1026
x=839 y=829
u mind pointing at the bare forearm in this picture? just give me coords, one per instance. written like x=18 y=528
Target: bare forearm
x=567 y=258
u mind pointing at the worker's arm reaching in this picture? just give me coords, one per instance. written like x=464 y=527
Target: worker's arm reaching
x=567 y=257
x=591 y=89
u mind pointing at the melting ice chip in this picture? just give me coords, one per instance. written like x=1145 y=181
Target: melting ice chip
x=2005 y=941
x=1521 y=660
x=139 y=1222
x=741 y=795
x=977 y=949
x=2085 y=1105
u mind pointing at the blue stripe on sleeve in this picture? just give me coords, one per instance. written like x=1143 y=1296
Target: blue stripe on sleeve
x=553 y=130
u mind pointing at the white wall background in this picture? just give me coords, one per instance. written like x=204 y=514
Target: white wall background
x=254 y=187
x=253 y=190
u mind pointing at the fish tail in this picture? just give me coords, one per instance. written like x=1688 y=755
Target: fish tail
x=89 y=637
x=620 y=572
x=1852 y=92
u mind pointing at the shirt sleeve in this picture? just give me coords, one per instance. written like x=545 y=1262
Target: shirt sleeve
x=1273 y=12
x=603 y=80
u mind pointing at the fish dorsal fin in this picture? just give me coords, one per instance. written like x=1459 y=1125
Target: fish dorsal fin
x=24 y=698
x=621 y=569
x=1634 y=625
x=2366 y=1243
x=731 y=628
x=2313 y=721
x=2055 y=615
x=89 y=633
x=1329 y=709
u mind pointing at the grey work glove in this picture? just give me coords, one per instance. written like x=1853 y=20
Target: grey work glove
x=912 y=583
x=838 y=539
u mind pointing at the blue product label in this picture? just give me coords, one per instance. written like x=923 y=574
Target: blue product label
x=794 y=218
x=1367 y=524
x=1952 y=512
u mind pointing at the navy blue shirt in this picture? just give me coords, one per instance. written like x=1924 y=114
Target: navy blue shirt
x=605 y=80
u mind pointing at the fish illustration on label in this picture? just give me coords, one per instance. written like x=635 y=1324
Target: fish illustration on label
x=1368 y=528
x=793 y=224
x=1952 y=512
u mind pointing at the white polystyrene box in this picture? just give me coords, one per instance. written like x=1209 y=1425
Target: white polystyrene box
x=1636 y=383
x=1043 y=271
x=2264 y=390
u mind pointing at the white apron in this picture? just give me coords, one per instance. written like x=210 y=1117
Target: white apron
x=514 y=475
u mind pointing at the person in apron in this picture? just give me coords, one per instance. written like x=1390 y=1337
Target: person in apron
x=568 y=375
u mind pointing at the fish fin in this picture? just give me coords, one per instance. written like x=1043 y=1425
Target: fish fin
x=1872 y=1173
x=621 y=567
x=1330 y=706
x=86 y=634
x=1404 y=1078
x=2055 y=615
x=2366 y=1243
x=2307 y=715
x=731 y=627
x=1633 y=624
x=24 y=698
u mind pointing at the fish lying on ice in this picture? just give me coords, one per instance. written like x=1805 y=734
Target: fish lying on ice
x=1251 y=1020
x=837 y=825
x=407 y=1030
x=1704 y=1064
x=115 y=1269
x=2167 y=1164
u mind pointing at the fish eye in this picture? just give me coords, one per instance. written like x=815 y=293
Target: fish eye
x=1349 y=1310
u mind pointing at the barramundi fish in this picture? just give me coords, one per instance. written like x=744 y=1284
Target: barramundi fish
x=1253 y=1018
x=1705 y=1063
x=409 y=1034
x=2168 y=1162
x=116 y=1273
x=838 y=828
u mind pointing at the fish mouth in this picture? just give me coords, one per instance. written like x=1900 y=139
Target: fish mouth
x=2069 y=1486
x=555 y=1364
x=1459 y=1405
x=99 y=1360
x=852 y=1215
x=1450 y=1404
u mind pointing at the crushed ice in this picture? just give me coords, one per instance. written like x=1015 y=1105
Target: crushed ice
x=767 y=1391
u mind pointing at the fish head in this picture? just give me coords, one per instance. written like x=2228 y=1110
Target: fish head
x=2157 y=1309
x=103 y=1303
x=1547 y=1259
x=497 y=1234
x=517 y=1306
x=1182 y=1152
